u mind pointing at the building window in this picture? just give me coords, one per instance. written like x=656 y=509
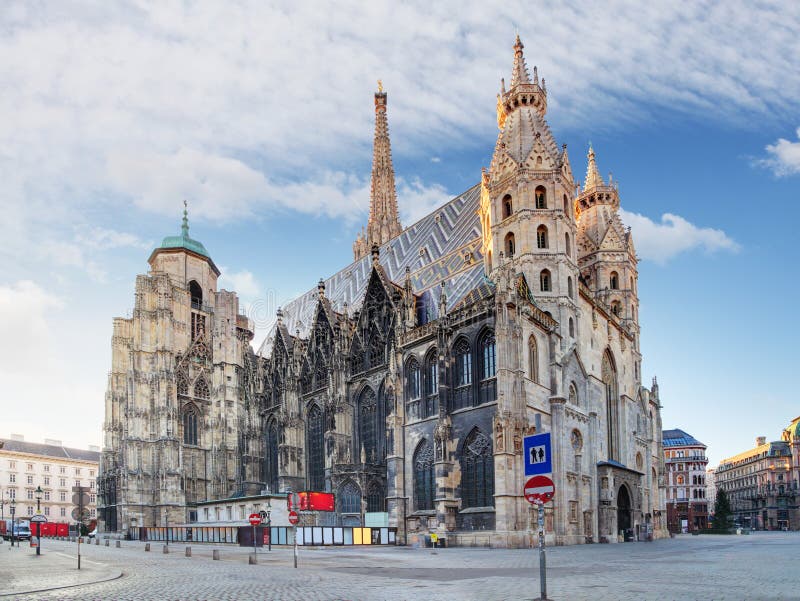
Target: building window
x=368 y=424
x=477 y=471
x=567 y=245
x=62 y=481
x=533 y=359
x=190 y=426
x=541 y=237
x=487 y=346
x=573 y=393
x=30 y=494
x=30 y=509
x=424 y=483
x=509 y=245
x=63 y=511
x=77 y=483
x=30 y=467
x=315 y=448
x=182 y=384
x=508 y=207
x=616 y=308
x=12 y=478
x=46 y=480
x=462 y=394
x=46 y=468
x=12 y=492
x=573 y=511
x=271 y=463
x=47 y=511
x=544 y=280
x=350 y=498
x=570 y=292
x=413 y=387
x=376 y=498
x=201 y=388
x=62 y=496
x=609 y=377
x=91 y=473
x=571 y=328
x=62 y=469
x=431 y=405
x=47 y=495
x=566 y=206
x=30 y=479
x=12 y=465
x=541 y=197
x=614 y=280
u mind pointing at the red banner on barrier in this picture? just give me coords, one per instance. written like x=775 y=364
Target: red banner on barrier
x=313 y=501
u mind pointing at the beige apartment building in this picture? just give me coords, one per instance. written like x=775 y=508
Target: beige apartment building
x=26 y=466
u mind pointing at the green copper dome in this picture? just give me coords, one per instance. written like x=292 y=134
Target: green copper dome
x=184 y=241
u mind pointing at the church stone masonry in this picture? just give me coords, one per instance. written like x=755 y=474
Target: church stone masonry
x=406 y=382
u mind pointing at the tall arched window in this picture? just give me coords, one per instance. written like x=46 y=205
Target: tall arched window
x=376 y=497
x=487 y=389
x=508 y=207
x=201 y=388
x=190 y=426
x=377 y=348
x=541 y=237
x=541 y=197
x=315 y=448
x=566 y=205
x=570 y=292
x=533 y=359
x=196 y=294
x=567 y=245
x=477 y=471
x=424 y=482
x=431 y=384
x=413 y=387
x=509 y=245
x=609 y=376
x=368 y=424
x=350 y=498
x=544 y=280
x=271 y=463
x=571 y=328
x=462 y=391
x=614 y=280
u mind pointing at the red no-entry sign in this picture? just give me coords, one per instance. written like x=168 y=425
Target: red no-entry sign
x=293 y=518
x=539 y=489
x=255 y=519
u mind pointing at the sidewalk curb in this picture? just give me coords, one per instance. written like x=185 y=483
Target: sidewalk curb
x=119 y=574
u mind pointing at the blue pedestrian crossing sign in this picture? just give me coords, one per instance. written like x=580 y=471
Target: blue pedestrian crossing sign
x=537 y=454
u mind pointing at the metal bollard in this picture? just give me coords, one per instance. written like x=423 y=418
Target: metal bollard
x=96 y=542
x=119 y=544
x=147 y=546
x=107 y=542
x=252 y=560
x=165 y=549
x=188 y=551
x=215 y=554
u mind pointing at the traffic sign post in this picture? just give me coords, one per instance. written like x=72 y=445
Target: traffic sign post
x=538 y=490
x=293 y=519
x=255 y=520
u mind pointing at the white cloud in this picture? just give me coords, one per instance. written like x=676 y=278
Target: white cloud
x=660 y=242
x=24 y=308
x=242 y=282
x=783 y=156
x=101 y=238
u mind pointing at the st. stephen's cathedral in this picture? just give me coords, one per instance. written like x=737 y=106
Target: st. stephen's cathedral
x=406 y=382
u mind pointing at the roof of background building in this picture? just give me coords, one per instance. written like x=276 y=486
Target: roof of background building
x=433 y=249
x=679 y=438
x=49 y=450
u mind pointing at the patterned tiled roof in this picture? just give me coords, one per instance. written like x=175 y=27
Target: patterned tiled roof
x=49 y=450
x=679 y=438
x=433 y=249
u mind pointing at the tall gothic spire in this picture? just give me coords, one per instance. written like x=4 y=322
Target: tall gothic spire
x=384 y=223
x=593 y=177
x=519 y=74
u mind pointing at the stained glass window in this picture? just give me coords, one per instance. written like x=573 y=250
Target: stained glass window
x=190 y=426
x=315 y=430
x=350 y=498
x=272 y=458
x=376 y=497
x=368 y=424
x=477 y=471
x=488 y=366
x=424 y=483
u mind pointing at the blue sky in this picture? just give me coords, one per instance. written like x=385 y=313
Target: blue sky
x=261 y=116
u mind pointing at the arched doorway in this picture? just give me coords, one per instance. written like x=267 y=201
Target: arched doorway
x=623 y=510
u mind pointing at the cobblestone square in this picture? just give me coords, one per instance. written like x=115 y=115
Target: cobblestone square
x=760 y=566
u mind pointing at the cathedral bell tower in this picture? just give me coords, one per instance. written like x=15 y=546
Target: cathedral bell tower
x=607 y=257
x=527 y=200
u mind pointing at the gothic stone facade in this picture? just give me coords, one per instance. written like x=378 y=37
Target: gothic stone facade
x=406 y=382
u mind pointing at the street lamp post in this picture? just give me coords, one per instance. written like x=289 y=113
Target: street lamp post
x=13 y=511
x=39 y=524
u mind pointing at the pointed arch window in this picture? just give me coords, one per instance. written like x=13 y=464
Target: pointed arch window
x=477 y=471
x=540 y=194
x=377 y=348
x=356 y=356
x=616 y=308
x=570 y=292
x=431 y=384
x=368 y=424
x=190 y=420
x=413 y=387
x=315 y=445
x=567 y=245
x=510 y=245
x=609 y=376
x=271 y=462
x=182 y=384
x=566 y=206
x=487 y=389
x=508 y=207
x=424 y=483
x=533 y=359
x=196 y=294
x=350 y=498
x=376 y=497
x=544 y=280
x=573 y=393
x=462 y=392
x=541 y=237
x=201 y=388
x=614 y=280
x=571 y=328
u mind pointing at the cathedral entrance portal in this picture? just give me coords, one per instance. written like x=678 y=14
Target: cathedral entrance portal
x=624 y=512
